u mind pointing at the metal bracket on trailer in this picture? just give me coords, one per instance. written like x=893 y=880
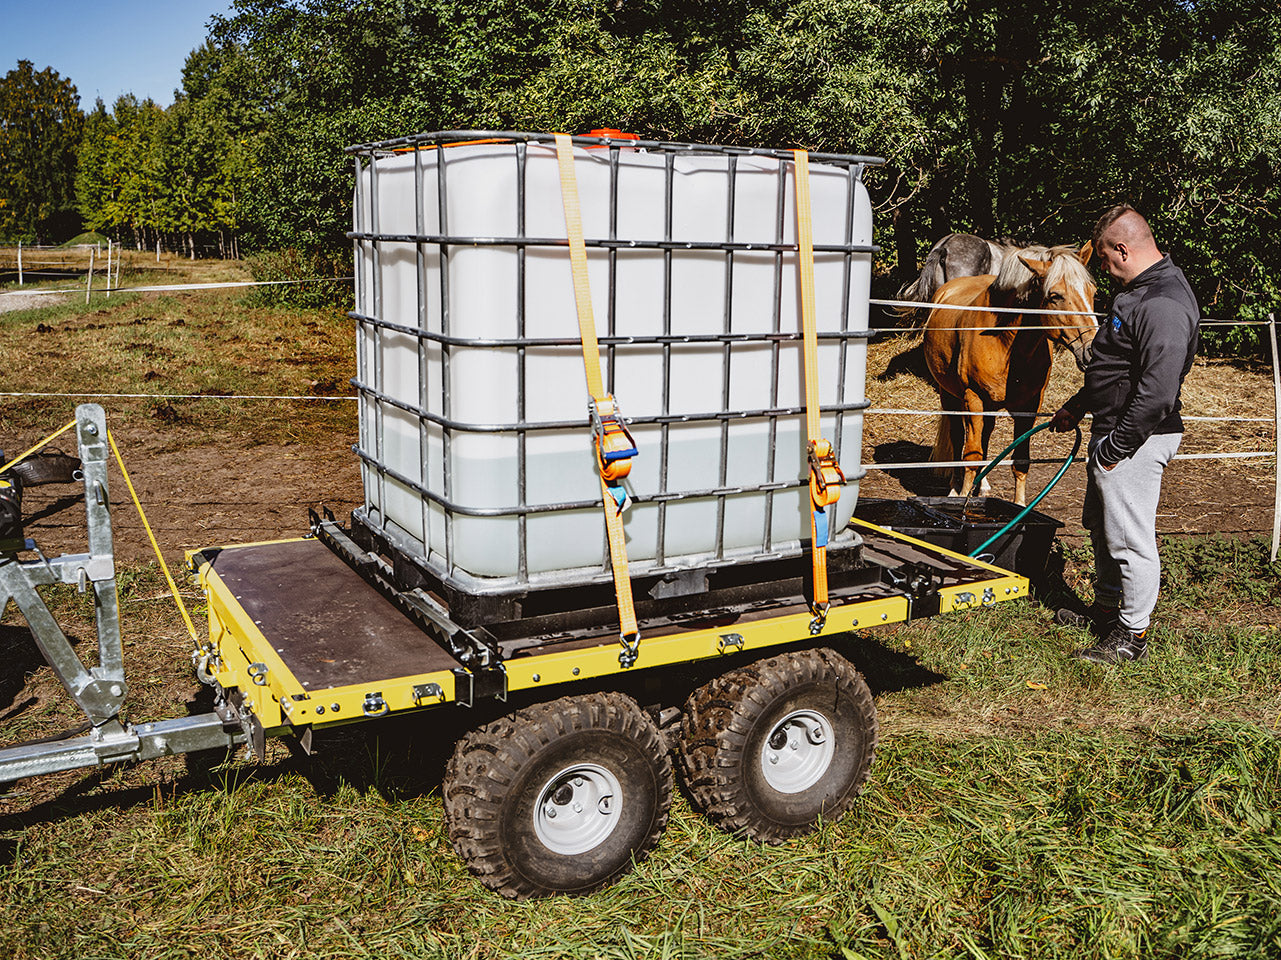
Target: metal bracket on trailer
x=98 y=691
x=919 y=584
x=113 y=742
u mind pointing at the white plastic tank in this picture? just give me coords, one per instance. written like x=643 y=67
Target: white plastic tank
x=477 y=457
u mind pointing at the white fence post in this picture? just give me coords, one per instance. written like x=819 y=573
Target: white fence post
x=108 y=268
x=89 y=278
x=1276 y=397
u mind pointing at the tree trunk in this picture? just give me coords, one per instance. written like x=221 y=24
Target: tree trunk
x=905 y=242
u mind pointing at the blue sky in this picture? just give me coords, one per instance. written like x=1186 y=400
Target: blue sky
x=107 y=47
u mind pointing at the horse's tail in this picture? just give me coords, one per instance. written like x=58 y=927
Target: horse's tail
x=923 y=288
x=944 y=447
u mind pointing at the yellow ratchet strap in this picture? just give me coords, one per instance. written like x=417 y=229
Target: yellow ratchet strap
x=614 y=444
x=47 y=440
x=826 y=477
x=173 y=587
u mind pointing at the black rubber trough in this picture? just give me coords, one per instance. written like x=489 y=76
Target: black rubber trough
x=1025 y=548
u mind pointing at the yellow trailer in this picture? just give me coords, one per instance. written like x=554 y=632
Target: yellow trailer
x=566 y=776
x=566 y=779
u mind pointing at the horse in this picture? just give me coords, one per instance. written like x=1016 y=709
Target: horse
x=998 y=362
x=956 y=255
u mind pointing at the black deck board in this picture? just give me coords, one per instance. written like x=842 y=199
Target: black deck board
x=329 y=627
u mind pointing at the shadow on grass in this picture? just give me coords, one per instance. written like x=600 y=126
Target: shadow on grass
x=910 y=361
x=401 y=757
x=20 y=657
x=887 y=670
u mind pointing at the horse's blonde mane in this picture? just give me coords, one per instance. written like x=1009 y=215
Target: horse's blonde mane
x=1065 y=268
x=1016 y=278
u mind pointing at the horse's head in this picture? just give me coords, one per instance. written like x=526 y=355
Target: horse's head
x=1061 y=281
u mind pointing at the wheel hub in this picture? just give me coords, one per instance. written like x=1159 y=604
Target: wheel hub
x=797 y=752
x=577 y=809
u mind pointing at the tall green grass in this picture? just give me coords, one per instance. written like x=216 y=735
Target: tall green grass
x=1046 y=845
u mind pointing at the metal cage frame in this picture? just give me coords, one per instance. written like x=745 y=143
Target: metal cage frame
x=366 y=249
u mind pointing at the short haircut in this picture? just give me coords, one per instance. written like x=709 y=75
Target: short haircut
x=1137 y=226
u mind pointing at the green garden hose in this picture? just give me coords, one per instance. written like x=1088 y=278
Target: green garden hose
x=1037 y=499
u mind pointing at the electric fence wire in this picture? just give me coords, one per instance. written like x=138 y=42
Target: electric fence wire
x=886 y=467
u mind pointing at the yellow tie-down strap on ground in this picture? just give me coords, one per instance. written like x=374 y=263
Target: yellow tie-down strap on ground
x=614 y=444
x=826 y=477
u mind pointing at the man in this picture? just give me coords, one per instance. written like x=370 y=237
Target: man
x=1141 y=355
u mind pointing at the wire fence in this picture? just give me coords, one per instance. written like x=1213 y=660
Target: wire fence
x=1274 y=454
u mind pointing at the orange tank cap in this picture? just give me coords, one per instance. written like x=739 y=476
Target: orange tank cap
x=612 y=134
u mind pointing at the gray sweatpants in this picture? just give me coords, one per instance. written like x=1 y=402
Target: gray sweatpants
x=1120 y=513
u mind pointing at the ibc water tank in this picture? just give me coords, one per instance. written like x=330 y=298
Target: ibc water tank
x=476 y=450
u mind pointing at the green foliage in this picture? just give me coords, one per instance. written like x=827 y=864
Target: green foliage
x=40 y=125
x=1198 y=571
x=1015 y=119
x=288 y=266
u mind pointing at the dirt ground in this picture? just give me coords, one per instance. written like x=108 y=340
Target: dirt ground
x=1199 y=496
x=196 y=495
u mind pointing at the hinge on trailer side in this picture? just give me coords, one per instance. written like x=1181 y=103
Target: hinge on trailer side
x=469 y=685
x=237 y=709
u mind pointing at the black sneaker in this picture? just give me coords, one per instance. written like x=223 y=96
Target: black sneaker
x=1099 y=620
x=1119 y=646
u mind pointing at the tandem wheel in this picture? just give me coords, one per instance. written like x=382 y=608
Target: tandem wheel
x=560 y=797
x=770 y=748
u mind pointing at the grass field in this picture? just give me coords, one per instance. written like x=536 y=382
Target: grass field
x=1022 y=804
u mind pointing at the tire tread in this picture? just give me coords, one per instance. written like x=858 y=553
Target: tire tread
x=489 y=759
x=719 y=718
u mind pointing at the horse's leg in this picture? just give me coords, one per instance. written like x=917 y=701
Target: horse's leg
x=959 y=425
x=947 y=446
x=988 y=424
x=1023 y=452
x=975 y=438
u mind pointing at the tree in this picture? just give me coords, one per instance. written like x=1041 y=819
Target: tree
x=40 y=125
x=96 y=175
x=1005 y=117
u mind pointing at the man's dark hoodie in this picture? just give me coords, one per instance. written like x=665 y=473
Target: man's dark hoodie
x=1140 y=356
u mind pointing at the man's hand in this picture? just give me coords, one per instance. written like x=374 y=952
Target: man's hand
x=1063 y=420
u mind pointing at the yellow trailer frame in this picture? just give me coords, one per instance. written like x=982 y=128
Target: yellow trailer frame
x=244 y=655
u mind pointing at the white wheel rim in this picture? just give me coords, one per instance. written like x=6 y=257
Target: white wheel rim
x=797 y=751
x=577 y=809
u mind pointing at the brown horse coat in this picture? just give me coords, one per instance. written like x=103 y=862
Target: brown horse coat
x=986 y=361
